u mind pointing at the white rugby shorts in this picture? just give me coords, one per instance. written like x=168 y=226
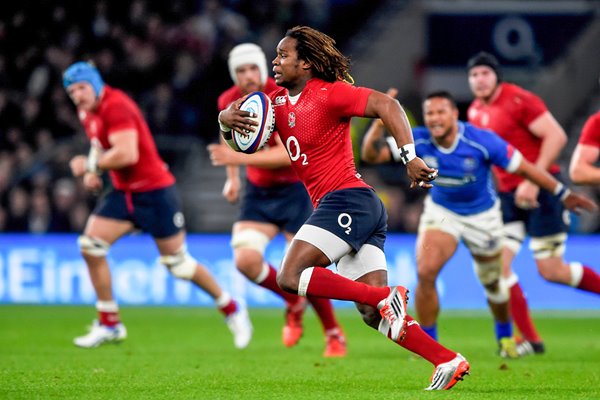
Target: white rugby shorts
x=481 y=232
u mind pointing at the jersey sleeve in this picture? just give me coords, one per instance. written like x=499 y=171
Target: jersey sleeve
x=531 y=105
x=501 y=153
x=118 y=118
x=348 y=100
x=590 y=134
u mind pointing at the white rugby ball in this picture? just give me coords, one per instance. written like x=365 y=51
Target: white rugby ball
x=259 y=104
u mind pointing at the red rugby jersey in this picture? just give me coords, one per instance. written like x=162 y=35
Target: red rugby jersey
x=263 y=177
x=590 y=133
x=316 y=133
x=509 y=115
x=117 y=112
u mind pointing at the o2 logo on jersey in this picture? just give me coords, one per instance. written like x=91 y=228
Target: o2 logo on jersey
x=345 y=220
x=295 y=153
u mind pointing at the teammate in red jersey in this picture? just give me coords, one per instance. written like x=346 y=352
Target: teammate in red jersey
x=144 y=196
x=313 y=109
x=522 y=119
x=583 y=170
x=274 y=201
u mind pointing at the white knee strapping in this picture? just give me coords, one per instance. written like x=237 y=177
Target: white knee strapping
x=576 y=273
x=264 y=272
x=93 y=246
x=514 y=235
x=181 y=264
x=548 y=246
x=511 y=280
x=304 y=281
x=489 y=273
x=250 y=239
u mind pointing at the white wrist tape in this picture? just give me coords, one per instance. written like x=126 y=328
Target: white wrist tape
x=93 y=157
x=407 y=153
x=561 y=191
x=224 y=128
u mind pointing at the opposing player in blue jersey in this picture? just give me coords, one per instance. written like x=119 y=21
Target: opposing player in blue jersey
x=463 y=205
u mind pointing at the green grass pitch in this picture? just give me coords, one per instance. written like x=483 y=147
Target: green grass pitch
x=187 y=353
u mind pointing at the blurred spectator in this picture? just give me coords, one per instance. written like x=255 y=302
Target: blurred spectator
x=18 y=206
x=169 y=56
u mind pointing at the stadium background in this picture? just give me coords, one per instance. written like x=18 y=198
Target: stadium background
x=171 y=57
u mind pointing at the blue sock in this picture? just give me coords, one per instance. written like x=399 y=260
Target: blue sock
x=503 y=329
x=430 y=330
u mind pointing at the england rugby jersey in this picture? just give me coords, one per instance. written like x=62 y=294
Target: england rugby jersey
x=464 y=184
x=316 y=134
x=590 y=134
x=117 y=112
x=509 y=115
x=263 y=177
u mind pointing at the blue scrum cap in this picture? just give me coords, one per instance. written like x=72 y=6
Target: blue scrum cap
x=83 y=71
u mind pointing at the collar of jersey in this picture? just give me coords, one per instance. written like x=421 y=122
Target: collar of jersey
x=459 y=135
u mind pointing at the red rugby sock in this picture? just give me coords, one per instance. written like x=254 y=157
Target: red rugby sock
x=325 y=283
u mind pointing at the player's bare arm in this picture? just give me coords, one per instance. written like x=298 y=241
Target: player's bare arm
x=124 y=150
x=393 y=116
x=374 y=148
x=553 y=139
x=270 y=157
x=572 y=201
x=582 y=169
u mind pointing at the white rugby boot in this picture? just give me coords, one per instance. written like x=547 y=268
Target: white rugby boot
x=240 y=326
x=393 y=313
x=449 y=373
x=100 y=334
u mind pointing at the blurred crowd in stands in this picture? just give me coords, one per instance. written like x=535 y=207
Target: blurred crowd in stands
x=169 y=55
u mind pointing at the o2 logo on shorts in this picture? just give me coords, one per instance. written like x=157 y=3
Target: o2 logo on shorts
x=178 y=219
x=345 y=220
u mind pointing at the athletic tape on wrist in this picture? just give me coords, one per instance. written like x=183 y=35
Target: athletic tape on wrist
x=407 y=153
x=224 y=128
x=561 y=191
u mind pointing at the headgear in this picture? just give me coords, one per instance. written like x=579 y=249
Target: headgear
x=83 y=71
x=483 y=58
x=247 y=53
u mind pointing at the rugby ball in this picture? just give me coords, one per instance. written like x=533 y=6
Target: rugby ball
x=260 y=105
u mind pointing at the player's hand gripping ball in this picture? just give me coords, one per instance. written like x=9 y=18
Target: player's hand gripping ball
x=260 y=105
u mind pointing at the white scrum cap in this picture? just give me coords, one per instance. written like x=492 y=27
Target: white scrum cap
x=247 y=53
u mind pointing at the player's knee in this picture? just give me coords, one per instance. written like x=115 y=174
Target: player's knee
x=251 y=239
x=181 y=264
x=549 y=271
x=370 y=315
x=489 y=274
x=427 y=276
x=545 y=247
x=248 y=261
x=92 y=246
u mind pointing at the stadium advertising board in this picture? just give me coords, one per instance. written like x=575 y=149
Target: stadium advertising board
x=49 y=270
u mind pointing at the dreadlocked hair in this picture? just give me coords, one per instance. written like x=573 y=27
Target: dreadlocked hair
x=319 y=50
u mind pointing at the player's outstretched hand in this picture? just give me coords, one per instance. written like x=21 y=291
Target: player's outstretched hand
x=577 y=202
x=420 y=174
x=222 y=155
